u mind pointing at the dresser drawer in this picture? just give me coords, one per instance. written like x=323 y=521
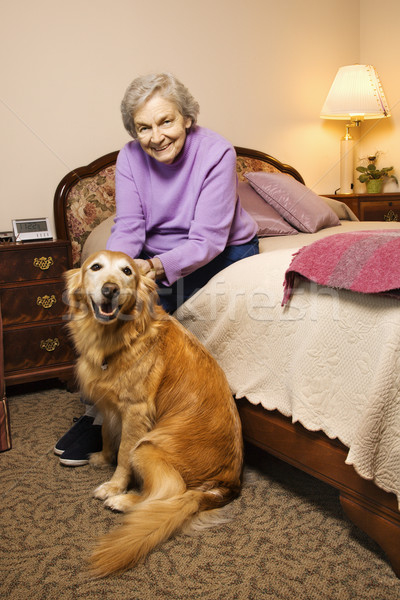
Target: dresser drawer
x=36 y=346
x=372 y=207
x=380 y=211
x=32 y=303
x=34 y=263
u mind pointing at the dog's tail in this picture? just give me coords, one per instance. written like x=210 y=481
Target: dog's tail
x=150 y=523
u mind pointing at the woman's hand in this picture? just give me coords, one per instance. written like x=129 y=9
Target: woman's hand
x=151 y=268
x=143 y=266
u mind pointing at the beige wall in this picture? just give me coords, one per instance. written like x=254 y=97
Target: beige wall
x=380 y=46
x=260 y=70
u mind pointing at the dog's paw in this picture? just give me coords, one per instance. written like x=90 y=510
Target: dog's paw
x=115 y=502
x=107 y=490
x=99 y=459
x=122 y=502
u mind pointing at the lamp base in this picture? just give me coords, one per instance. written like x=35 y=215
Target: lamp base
x=346 y=165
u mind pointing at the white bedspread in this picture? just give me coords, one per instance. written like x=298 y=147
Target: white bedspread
x=330 y=359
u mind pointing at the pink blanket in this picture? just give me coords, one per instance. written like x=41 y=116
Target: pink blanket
x=361 y=261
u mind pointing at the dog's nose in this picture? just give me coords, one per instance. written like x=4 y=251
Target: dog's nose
x=110 y=291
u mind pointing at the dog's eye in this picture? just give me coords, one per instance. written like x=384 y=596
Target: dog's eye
x=127 y=271
x=95 y=267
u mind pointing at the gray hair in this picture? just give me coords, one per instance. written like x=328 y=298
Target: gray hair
x=143 y=88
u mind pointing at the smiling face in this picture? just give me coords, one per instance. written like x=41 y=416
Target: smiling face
x=110 y=282
x=161 y=129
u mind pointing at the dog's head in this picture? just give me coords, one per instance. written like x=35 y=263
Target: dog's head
x=110 y=288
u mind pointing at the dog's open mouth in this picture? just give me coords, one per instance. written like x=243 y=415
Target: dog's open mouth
x=106 y=311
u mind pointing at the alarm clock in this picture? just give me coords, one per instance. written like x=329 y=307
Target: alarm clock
x=32 y=230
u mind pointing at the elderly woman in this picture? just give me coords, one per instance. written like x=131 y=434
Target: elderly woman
x=176 y=192
x=178 y=211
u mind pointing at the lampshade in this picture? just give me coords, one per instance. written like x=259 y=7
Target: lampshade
x=356 y=94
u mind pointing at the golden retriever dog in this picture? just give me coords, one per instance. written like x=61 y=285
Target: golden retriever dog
x=169 y=415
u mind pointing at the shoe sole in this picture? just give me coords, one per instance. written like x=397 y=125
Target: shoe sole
x=68 y=462
x=57 y=451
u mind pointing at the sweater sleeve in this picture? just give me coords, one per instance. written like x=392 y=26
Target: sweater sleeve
x=128 y=233
x=210 y=227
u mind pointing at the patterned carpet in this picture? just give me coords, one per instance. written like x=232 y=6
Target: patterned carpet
x=287 y=539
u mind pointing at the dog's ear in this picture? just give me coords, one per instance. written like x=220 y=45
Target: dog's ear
x=147 y=308
x=73 y=294
x=73 y=279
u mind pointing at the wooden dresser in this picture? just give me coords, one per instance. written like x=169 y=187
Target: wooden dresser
x=35 y=342
x=372 y=207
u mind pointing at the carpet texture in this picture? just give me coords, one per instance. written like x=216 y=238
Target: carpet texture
x=287 y=538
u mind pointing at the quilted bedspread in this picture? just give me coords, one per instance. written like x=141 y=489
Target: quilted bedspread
x=329 y=359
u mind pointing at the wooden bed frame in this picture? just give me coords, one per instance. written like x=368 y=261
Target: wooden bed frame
x=370 y=508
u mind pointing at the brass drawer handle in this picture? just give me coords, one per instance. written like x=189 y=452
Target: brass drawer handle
x=49 y=345
x=43 y=263
x=391 y=216
x=46 y=301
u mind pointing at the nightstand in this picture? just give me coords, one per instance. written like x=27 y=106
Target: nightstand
x=372 y=207
x=35 y=340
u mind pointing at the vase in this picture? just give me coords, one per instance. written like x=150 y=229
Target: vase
x=374 y=186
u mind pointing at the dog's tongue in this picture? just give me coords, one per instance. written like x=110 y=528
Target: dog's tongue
x=106 y=309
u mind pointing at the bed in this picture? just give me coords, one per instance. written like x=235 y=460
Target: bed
x=316 y=380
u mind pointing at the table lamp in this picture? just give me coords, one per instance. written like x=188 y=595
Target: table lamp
x=356 y=94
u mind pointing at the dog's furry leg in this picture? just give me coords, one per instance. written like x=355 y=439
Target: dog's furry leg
x=111 y=436
x=123 y=502
x=117 y=484
x=129 y=438
x=160 y=479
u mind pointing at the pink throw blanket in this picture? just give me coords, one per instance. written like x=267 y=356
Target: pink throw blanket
x=362 y=261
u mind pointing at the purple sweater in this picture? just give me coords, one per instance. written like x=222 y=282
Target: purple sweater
x=184 y=213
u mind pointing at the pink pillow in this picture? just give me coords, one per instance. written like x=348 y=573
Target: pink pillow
x=296 y=203
x=269 y=222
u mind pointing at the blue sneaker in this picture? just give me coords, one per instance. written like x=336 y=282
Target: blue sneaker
x=81 y=426
x=79 y=452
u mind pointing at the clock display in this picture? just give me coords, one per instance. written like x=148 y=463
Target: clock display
x=31 y=226
x=30 y=230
